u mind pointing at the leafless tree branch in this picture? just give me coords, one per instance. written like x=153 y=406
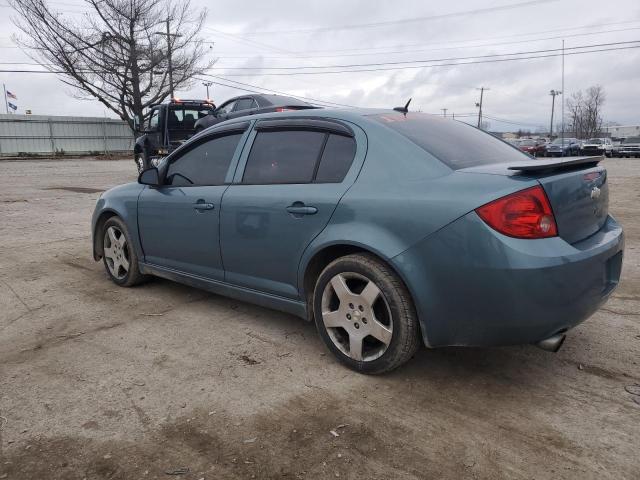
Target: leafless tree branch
x=114 y=54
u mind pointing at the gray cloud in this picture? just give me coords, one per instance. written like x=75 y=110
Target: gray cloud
x=518 y=90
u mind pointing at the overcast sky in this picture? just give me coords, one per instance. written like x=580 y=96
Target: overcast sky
x=289 y=33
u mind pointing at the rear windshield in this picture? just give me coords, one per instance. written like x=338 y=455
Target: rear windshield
x=454 y=143
x=631 y=140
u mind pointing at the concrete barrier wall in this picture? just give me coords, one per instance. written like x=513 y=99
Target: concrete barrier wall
x=50 y=135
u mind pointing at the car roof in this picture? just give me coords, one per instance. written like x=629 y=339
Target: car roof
x=269 y=100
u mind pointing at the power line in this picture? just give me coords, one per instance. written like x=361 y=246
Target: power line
x=495 y=60
x=328 y=103
x=380 y=64
x=478 y=11
x=412 y=67
x=394 y=52
x=448 y=42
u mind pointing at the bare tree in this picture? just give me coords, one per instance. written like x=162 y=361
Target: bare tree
x=585 y=112
x=116 y=53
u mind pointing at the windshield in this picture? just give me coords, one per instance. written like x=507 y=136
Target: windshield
x=454 y=143
x=559 y=141
x=597 y=141
x=631 y=140
x=527 y=143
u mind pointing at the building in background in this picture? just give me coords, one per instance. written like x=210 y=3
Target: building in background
x=622 y=131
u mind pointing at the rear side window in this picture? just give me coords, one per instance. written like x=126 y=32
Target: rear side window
x=284 y=157
x=205 y=164
x=454 y=143
x=336 y=159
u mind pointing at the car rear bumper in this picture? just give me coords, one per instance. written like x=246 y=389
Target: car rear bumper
x=475 y=287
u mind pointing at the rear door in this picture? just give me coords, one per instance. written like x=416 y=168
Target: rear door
x=179 y=221
x=286 y=188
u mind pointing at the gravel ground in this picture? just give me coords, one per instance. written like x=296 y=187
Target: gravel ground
x=100 y=382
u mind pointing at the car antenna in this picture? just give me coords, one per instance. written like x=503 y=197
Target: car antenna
x=404 y=109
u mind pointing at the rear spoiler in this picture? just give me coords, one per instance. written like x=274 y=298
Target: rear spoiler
x=559 y=164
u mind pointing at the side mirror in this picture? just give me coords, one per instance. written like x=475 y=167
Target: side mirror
x=150 y=176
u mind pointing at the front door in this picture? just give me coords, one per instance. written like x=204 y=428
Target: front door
x=284 y=197
x=179 y=221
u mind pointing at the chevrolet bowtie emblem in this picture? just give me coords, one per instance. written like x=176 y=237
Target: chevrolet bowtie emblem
x=595 y=193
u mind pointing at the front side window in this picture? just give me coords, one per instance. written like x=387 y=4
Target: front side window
x=226 y=108
x=284 y=157
x=205 y=164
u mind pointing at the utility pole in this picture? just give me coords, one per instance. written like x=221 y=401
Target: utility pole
x=553 y=94
x=169 y=36
x=444 y=111
x=479 y=105
x=207 y=84
x=563 y=97
x=6 y=103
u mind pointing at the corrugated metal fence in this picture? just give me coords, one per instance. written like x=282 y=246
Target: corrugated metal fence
x=50 y=135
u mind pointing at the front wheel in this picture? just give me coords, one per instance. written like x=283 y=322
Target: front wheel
x=119 y=256
x=365 y=315
x=140 y=163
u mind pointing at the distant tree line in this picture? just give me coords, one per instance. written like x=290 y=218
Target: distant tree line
x=584 y=114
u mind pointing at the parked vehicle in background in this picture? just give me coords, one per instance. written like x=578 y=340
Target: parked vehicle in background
x=251 y=105
x=597 y=146
x=168 y=125
x=563 y=147
x=532 y=147
x=615 y=148
x=630 y=147
x=374 y=224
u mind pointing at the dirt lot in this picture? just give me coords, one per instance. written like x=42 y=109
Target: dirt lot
x=100 y=382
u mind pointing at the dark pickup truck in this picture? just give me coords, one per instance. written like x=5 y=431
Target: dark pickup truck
x=168 y=125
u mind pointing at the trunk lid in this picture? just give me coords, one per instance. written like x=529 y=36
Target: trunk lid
x=580 y=201
x=577 y=189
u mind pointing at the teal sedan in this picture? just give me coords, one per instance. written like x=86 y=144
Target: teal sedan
x=390 y=230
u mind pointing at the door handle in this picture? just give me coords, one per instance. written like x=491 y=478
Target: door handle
x=202 y=205
x=299 y=208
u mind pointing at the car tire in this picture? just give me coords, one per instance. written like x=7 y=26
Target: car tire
x=365 y=315
x=118 y=254
x=140 y=163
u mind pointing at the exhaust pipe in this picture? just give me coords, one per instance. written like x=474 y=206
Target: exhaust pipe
x=553 y=343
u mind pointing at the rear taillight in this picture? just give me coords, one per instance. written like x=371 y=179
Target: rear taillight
x=524 y=214
x=284 y=109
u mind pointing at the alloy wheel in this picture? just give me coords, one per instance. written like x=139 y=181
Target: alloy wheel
x=116 y=252
x=356 y=316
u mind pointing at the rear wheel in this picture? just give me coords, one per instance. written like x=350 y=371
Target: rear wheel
x=365 y=314
x=119 y=256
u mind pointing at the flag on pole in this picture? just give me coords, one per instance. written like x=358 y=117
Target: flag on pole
x=12 y=106
x=11 y=95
